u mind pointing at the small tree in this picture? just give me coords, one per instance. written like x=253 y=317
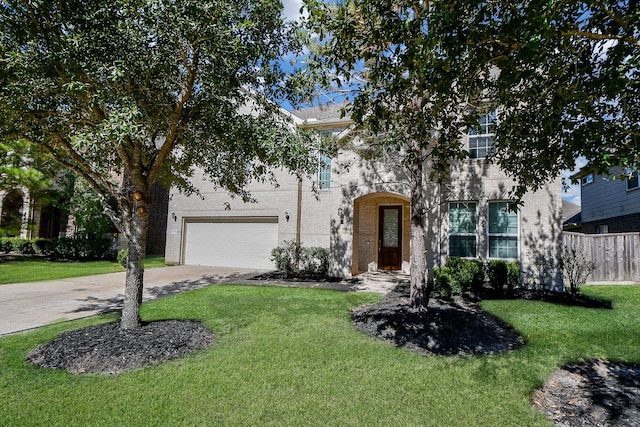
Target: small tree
x=576 y=267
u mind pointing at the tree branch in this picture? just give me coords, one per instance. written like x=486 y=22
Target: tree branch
x=176 y=116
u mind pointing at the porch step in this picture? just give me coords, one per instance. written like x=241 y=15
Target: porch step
x=379 y=281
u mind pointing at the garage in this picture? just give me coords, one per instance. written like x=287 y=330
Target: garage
x=244 y=242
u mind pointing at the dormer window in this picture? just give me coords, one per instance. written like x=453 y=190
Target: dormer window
x=481 y=136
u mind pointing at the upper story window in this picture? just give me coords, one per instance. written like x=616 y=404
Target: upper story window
x=324 y=172
x=503 y=230
x=481 y=136
x=463 y=226
x=632 y=180
x=587 y=179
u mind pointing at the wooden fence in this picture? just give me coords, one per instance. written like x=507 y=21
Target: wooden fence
x=617 y=256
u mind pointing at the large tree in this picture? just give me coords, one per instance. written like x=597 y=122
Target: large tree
x=407 y=67
x=569 y=83
x=563 y=74
x=126 y=93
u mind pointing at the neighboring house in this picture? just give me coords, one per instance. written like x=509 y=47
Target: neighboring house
x=571 y=217
x=26 y=216
x=610 y=203
x=361 y=214
x=29 y=216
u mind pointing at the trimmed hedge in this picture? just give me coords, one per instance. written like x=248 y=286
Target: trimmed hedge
x=72 y=248
x=460 y=276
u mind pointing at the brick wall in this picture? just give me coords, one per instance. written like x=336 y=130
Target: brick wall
x=620 y=224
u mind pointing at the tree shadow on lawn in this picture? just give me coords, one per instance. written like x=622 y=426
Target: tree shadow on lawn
x=108 y=305
x=448 y=327
x=452 y=326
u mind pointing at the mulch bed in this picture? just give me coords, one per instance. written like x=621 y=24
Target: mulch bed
x=594 y=393
x=108 y=349
x=448 y=327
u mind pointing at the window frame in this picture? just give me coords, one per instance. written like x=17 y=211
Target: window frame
x=586 y=180
x=503 y=235
x=324 y=171
x=632 y=176
x=465 y=234
x=485 y=132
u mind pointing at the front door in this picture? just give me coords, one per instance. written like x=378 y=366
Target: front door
x=390 y=238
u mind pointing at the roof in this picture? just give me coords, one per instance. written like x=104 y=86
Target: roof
x=322 y=115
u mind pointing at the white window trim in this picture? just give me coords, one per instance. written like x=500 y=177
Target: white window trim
x=586 y=180
x=322 y=167
x=489 y=234
x=449 y=233
x=482 y=135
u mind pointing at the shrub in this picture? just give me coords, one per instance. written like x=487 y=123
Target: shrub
x=576 y=267
x=64 y=248
x=123 y=255
x=503 y=275
x=9 y=244
x=442 y=281
x=286 y=257
x=497 y=273
x=292 y=258
x=314 y=260
x=467 y=274
x=44 y=246
x=25 y=247
x=513 y=275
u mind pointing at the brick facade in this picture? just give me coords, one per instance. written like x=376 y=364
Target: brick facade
x=620 y=224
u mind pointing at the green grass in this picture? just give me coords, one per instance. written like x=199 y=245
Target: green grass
x=20 y=270
x=288 y=356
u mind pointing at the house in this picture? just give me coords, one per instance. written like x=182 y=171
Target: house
x=361 y=214
x=26 y=215
x=610 y=203
x=36 y=215
x=571 y=216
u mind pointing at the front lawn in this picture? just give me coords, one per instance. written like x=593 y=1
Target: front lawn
x=286 y=356
x=24 y=269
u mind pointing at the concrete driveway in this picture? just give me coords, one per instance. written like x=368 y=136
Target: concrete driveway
x=25 y=306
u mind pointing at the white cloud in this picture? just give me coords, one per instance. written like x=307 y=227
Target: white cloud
x=291 y=9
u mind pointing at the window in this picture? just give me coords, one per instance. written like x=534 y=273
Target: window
x=602 y=229
x=481 y=136
x=632 y=180
x=503 y=230
x=587 y=179
x=462 y=229
x=324 y=172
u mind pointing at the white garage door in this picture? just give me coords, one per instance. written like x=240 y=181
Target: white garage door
x=231 y=242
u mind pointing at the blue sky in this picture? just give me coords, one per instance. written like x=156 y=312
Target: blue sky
x=292 y=8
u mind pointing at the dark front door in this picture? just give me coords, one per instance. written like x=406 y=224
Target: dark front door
x=390 y=238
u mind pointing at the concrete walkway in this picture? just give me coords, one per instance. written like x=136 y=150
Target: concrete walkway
x=24 y=306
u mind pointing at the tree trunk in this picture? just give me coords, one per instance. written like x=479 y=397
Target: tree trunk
x=139 y=224
x=419 y=296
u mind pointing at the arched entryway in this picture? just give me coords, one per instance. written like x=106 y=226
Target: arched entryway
x=381 y=232
x=11 y=218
